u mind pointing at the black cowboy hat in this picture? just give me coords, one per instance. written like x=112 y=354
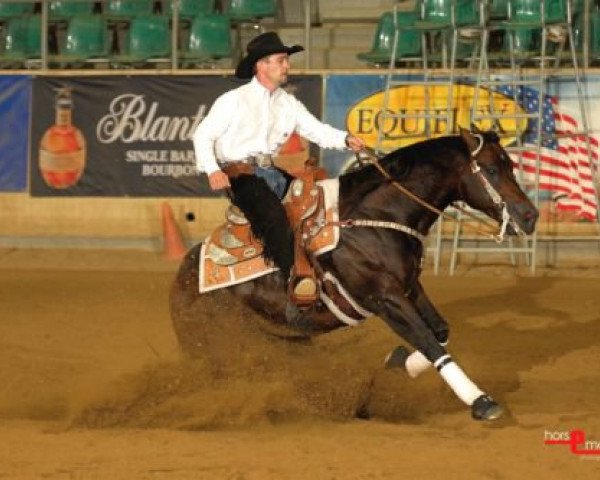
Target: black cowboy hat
x=260 y=47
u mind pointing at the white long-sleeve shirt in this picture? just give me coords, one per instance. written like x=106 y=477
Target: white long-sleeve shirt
x=250 y=120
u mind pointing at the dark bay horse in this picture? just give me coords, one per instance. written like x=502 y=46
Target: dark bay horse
x=380 y=267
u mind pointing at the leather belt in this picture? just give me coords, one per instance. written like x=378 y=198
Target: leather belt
x=235 y=169
x=262 y=160
x=247 y=166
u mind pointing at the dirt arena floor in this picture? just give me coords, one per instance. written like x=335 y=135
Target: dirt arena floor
x=92 y=385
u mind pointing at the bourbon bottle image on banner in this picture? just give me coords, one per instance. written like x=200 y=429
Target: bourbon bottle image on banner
x=62 y=148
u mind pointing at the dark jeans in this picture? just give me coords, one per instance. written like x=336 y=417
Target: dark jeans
x=275 y=179
x=260 y=200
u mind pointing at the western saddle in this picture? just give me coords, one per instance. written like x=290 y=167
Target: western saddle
x=304 y=205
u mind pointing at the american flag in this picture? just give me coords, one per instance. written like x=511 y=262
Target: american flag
x=566 y=171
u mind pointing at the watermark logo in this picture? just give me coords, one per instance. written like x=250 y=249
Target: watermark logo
x=575 y=440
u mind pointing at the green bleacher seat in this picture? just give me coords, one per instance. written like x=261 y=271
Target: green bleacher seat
x=210 y=39
x=529 y=12
x=246 y=10
x=65 y=9
x=499 y=9
x=409 y=41
x=11 y=10
x=148 y=38
x=34 y=36
x=437 y=13
x=436 y=18
x=192 y=8
x=22 y=40
x=525 y=22
x=128 y=9
x=578 y=22
x=86 y=38
x=555 y=11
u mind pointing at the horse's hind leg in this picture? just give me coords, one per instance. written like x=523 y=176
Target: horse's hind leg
x=415 y=362
x=401 y=314
x=183 y=297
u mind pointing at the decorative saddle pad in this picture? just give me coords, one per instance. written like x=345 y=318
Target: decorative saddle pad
x=231 y=255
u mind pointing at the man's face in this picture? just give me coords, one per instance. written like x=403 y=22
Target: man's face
x=274 y=68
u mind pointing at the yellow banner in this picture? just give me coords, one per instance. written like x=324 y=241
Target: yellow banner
x=365 y=118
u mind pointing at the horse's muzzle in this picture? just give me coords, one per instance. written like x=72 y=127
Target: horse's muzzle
x=525 y=215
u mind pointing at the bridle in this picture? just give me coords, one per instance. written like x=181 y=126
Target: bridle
x=492 y=192
x=475 y=170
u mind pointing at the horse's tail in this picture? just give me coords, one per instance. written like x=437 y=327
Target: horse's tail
x=267 y=218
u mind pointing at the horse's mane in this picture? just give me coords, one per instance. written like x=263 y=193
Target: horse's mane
x=401 y=163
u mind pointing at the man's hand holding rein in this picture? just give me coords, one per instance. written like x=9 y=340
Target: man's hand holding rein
x=354 y=143
x=218 y=180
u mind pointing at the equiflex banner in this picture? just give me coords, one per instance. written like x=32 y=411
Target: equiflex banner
x=127 y=136
x=356 y=103
x=15 y=93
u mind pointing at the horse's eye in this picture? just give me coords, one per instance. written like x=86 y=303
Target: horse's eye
x=492 y=170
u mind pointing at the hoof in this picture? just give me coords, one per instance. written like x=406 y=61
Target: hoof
x=396 y=358
x=485 y=408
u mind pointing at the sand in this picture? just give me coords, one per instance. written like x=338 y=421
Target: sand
x=92 y=384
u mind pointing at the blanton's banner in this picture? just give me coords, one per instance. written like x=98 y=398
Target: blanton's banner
x=127 y=136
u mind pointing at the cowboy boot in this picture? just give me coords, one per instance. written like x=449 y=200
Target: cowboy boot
x=302 y=288
x=303 y=281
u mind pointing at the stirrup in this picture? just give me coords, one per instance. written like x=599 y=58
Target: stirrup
x=303 y=292
x=306 y=287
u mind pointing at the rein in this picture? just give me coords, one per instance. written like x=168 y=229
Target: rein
x=476 y=170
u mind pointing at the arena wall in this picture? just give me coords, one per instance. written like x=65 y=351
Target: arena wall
x=101 y=222
x=128 y=221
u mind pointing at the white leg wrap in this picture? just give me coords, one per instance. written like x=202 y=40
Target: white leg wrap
x=458 y=381
x=416 y=364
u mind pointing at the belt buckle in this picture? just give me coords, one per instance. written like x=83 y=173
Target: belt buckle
x=263 y=160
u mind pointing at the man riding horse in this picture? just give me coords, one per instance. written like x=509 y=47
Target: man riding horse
x=243 y=131
x=378 y=258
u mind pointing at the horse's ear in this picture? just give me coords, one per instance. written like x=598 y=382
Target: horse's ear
x=469 y=139
x=475 y=129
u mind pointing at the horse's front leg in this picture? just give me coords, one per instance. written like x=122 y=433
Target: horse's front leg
x=401 y=314
x=433 y=318
x=416 y=363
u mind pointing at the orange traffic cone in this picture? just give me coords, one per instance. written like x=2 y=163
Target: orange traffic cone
x=174 y=249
